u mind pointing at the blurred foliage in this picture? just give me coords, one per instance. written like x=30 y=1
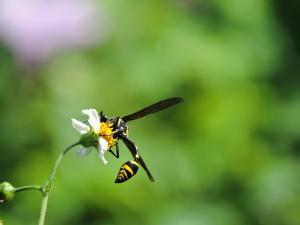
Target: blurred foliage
x=228 y=155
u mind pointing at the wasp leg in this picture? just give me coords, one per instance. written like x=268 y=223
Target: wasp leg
x=117 y=154
x=134 y=151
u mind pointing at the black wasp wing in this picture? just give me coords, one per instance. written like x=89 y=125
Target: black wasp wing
x=156 y=107
x=134 y=151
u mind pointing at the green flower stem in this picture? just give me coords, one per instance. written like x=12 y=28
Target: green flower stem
x=49 y=183
x=29 y=187
x=43 y=210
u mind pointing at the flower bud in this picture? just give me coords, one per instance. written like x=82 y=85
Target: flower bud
x=7 y=192
x=89 y=140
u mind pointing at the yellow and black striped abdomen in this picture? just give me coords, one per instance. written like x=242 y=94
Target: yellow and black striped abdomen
x=127 y=170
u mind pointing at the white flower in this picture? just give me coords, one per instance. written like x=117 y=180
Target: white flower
x=80 y=127
x=95 y=128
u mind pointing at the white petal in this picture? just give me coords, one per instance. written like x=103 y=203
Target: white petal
x=82 y=151
x=94 y=119
x=103 y=147
x=80 y=127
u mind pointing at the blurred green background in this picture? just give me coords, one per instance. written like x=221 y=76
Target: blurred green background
x=228 y=155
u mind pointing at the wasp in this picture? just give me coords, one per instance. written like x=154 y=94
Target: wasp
x=119 y=130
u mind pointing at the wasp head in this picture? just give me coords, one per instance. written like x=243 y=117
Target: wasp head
x=103 y=117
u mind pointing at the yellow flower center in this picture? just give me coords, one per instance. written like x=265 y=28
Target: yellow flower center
x=106 y=132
